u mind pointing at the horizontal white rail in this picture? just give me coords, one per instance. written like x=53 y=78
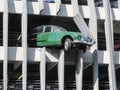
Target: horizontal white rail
x=50 y=9
x=15 y=54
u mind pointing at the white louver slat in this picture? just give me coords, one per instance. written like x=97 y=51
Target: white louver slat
x=109 y=44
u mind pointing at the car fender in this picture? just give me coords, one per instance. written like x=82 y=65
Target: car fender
x=66 y=36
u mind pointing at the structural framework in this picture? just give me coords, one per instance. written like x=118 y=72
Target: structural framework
x=26 y=67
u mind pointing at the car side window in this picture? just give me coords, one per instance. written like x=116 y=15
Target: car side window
x=37 y=30
x=55 y=29
x=40 y=29
x=48 y=29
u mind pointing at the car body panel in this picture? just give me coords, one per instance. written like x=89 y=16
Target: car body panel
x=54 y=38
x=46 y=39
x=52 y=35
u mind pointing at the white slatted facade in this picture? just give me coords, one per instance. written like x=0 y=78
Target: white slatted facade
x=22 y=55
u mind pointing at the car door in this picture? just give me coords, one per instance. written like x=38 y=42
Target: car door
x=44 y=37
x=40 y=36
x=50 y=36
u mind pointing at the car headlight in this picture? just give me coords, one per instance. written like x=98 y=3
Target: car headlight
x=86 y=38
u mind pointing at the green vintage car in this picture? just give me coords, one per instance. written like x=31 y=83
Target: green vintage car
x=51 y=35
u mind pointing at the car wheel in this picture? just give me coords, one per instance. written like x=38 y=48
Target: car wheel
x=67 y=44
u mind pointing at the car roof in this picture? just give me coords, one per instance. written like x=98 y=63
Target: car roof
x=51 y=25
x=60 y=28
x=47 y=25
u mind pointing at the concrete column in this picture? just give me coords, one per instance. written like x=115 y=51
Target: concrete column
x=109 y=44
x=5 y=45
x=58 y=4
x=95 y=71
x=78 y=19
x=40 y=5
x=24 y=44
x=118 y=3
x=61 y=70
x=93 y=22
x=43 y=69
x=74 y=4
x=94 y=48
x=79 y=71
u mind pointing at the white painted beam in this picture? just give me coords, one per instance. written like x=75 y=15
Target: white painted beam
x=24 y=44
x=5 y=45
x=95 y=71
x=2 y=6
x=118 y=3
x=109 y=44
x=79 y=71
x=75 y=7
x=66 y=10
x=43 y=69
x=15 y=54
x=61 y=70
x=78 y=19
x=40 y=5
x=93 y=22
x=58 y=6
x=94 y=48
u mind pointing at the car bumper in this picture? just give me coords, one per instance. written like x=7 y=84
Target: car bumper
x=83 y=42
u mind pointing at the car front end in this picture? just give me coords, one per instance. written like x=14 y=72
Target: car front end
x=84 y=39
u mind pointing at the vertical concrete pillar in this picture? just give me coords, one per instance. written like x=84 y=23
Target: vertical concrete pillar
x=24 y=44
x=43 y=69
x=109 y=44
x=40 y=5
x=58 y=4
x=94 y=48
x=78 y=19
x=61 y=70
x=79 y=71
x=118 y=3
x=5 y=45
x=95 y=71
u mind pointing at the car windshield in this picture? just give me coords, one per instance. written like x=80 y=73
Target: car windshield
x=38 y=30
x=48 y=29
x=61 y=29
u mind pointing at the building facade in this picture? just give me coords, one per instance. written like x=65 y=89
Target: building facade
x=24 y=66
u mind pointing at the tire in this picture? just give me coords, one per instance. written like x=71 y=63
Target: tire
x=67 y=44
